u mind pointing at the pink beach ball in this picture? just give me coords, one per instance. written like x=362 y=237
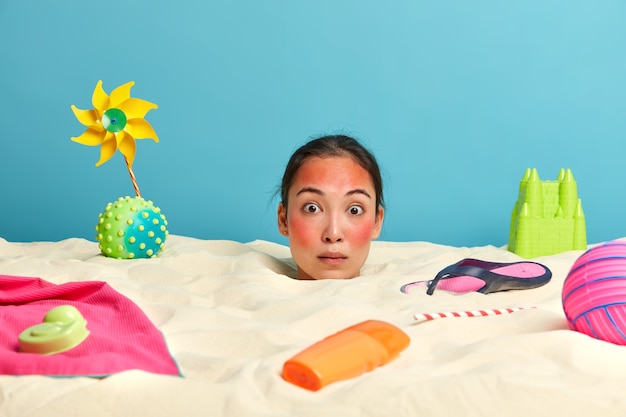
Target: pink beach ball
x=594 y=293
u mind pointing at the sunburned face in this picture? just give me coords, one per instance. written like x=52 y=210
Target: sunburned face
x=331 y=218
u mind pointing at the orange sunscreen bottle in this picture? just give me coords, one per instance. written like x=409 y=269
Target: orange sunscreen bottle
x=346 y=354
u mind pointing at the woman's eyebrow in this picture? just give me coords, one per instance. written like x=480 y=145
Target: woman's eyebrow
x=310 y=190
x=359 y=191
x=320 y=192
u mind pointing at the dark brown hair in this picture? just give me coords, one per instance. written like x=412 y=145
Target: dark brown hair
x=333 y=145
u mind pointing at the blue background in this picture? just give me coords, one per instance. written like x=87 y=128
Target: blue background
x=456 y=98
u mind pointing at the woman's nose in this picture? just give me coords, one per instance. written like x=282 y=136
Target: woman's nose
x=333 y=232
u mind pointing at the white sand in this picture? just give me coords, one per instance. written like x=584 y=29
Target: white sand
x=231 y=316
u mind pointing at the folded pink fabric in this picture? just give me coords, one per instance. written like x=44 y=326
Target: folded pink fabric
x=121 y=335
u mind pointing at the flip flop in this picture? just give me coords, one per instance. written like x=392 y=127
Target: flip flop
x=474 y=275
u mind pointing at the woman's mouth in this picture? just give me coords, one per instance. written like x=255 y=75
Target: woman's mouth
x=332 y=258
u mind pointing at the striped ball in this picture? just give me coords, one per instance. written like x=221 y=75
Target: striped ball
x=594 y=293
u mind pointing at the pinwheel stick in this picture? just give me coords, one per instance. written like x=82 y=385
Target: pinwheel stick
x=132 y=177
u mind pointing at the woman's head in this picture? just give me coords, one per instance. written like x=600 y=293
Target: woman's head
x=331 y=207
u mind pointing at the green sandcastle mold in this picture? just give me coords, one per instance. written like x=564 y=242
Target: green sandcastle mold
x=548 y=216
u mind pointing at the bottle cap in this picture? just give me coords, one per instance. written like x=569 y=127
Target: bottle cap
x=390 y=337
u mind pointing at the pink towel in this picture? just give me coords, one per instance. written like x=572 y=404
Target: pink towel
x=121 y=335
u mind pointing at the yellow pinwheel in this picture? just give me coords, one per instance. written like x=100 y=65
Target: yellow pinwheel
x=115 y=122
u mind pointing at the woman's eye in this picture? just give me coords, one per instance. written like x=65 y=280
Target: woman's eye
x=356 y=210
x=311 y=208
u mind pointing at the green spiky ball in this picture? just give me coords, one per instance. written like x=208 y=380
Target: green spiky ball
x=131 y=227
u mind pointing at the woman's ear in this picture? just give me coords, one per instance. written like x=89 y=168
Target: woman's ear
x=380 y=216
x=282 y=220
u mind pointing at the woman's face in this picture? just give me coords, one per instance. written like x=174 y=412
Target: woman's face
x=331 y=219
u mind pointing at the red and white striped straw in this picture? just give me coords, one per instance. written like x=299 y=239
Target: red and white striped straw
x=468 y=313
